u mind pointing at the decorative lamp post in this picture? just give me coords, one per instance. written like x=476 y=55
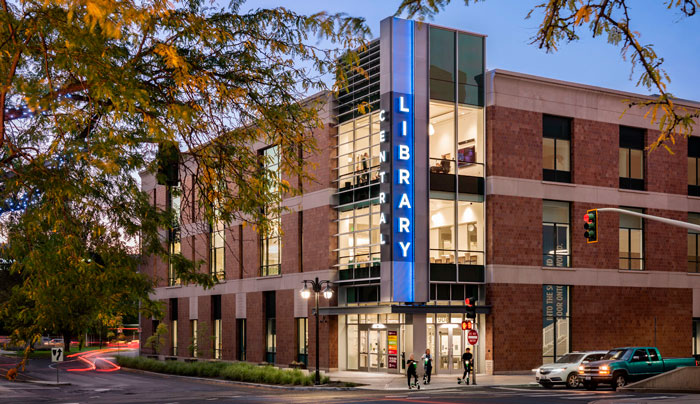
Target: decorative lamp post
x=317 y=287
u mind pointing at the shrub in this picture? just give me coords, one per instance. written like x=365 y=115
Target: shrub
x=239 y=371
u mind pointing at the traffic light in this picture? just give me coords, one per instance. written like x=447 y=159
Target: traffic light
x=467 y=325
x=470 y=307
x=590 y=223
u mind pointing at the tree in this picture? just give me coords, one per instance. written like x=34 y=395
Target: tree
x=563 y=20
x=94 y=91
x=158 y=339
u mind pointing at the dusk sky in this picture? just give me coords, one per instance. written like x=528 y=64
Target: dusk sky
x=588 y=61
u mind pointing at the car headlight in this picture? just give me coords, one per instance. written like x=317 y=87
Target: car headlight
x=536 y=370
x=581 y=369
x=604 y=370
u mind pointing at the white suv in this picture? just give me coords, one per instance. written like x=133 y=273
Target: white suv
x=565 y=369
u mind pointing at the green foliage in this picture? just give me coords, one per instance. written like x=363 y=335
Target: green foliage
x=90 y=89
x=158 y=339
x=238 y=371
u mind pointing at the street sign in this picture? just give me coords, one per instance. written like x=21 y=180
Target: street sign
x=56 y=354
x=472 y=337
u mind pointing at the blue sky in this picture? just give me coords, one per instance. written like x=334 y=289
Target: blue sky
x=588 y=61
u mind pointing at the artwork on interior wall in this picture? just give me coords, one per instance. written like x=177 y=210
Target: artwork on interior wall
x=466 y=156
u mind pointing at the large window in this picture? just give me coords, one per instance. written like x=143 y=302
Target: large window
x=358 y=152
x=270 y=327
x=358 y=241
x=173 y=326
x=450 y=247
x=693 y=244
x=555 y=234
x=464 y=156
x=241 y=339
x=303 y=340
x=693 y=169
x=218 y=329
x=556 y=324
x=631 y=158
x=442 y=64
x=631 y=241
x=174 y=247
x=450 y=50
x=216 y=252
x=270 y=238
x=556 y=148
x=194 y=345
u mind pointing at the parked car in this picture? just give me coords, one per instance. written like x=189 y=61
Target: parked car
x=621 y=366
x=564 y=370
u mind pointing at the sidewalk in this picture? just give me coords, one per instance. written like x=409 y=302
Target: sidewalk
x=383 y=381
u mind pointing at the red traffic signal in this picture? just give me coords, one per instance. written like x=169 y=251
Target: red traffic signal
x=468 y=302
x=590 y=224
x=467 y=325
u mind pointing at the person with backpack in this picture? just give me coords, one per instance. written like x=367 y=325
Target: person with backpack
x=467 y=361
x=411 y=371
x=427 y=366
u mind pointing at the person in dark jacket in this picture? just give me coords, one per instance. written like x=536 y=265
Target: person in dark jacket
x=467 y=362
x=427 y=366
x=411 y=370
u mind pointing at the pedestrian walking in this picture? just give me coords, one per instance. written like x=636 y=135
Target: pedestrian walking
x=411 y=371
x=427 y=366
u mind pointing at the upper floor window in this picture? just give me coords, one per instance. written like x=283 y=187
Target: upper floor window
x=270 y=238
x=631 y=158
x=556 y=247
x=693 y=157
x=631 y=241
x=358 y=152
x=556 y=148
x=174 y=247
x=463 y=154
x=456 y=67
x=216 y=251
x=693 y=246
x=463 y=244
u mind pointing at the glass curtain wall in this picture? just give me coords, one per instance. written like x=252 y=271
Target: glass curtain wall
x=460 y=244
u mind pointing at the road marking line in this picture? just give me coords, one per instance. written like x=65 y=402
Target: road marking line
x=586 y=397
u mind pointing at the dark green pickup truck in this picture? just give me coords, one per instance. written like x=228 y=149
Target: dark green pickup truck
x=624 y=365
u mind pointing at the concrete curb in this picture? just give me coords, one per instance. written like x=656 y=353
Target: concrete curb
x=47 y=383
x=224 y=381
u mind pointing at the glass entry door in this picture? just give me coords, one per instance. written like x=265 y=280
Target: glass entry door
x=373 y=349
x=450 y=348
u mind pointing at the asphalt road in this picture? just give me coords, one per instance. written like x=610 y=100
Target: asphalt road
x=131 y=387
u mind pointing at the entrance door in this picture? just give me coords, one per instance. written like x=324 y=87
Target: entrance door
x=364 y=350
x=377 y=350
x=450 y=347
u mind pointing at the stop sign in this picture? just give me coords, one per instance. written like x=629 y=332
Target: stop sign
x=472 y=337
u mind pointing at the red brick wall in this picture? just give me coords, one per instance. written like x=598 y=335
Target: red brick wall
x=184 y=329
x=328 y=336
x=665 y=246
x=319 y=240
x=608 y=317
x=603 y=254
x=228 y=324
x=321 y=161
x=516 y=320
x=251 y=253
x=255 y=324
x=506 y=235
x=232 y=253
x=666 y=172
x=286 y=327
x=593 y=142
x=514 y=143
x=290 y=243
x=206 y=326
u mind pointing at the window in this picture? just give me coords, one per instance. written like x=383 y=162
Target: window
x=441 y=134
x=362 y=294
x=358 y=241
x=174 y=246
x=270 y=239
x=555 y=234
x=303 y=340
x=693 y=246
x=240 y=337
x=173 y=326
x=218 y=331
x=470 y=238
x=556 y=146
x=358 y=153
x=442 y=64
x=693 y=157
x=470 y=69
x=631 y=158
x=270 y=327
x=696 y=337
x=449 y=247
x=556 y=325
x=193 y=347
x=216 y=251
x=631 y=241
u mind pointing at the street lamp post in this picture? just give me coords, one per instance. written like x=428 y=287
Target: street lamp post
x=316 y=286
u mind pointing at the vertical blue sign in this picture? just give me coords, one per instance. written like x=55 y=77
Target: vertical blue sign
x=402 y=162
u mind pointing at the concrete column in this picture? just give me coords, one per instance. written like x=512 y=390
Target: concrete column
x=419 y=336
